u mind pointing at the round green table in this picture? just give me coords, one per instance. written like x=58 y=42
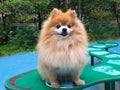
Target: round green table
x=106 y=72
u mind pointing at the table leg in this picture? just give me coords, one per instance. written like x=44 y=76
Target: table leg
x=106 y=49
x=113 y=85
x=92 y=61
x=109 y=85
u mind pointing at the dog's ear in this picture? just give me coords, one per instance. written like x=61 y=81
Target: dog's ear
x=55 y=12
x=72 y=13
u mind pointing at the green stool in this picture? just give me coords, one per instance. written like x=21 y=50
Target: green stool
x=99 y=47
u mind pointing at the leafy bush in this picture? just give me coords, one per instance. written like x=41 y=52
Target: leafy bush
x=102 y=31
x=27 y=36
x=3 y=35
x=10 y=48
x=24 y=36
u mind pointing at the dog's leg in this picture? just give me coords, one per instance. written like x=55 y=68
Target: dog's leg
x=76 y=78
x=53 y=78
x=41 y=69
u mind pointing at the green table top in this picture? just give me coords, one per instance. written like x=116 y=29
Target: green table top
x=108 y=70
x=103 y=45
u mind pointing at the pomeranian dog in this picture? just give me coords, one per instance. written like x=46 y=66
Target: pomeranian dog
x=62 y=47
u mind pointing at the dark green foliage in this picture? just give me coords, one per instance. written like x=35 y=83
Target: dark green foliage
x=102 y=31
x=21 y=11
x=25 y=36
x=12 y=48
x=2 y=36
x=101 y=18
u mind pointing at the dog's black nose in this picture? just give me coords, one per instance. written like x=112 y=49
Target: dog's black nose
x=64 y=32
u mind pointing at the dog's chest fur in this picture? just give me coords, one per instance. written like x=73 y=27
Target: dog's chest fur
x=64 y=53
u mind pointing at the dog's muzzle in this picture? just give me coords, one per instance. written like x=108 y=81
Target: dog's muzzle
x=64 y=32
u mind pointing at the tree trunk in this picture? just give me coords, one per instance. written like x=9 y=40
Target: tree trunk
x=114 y=8
x=79 y=9
x=3 y=21
x=6 y=38
x=59 y=3
x=66 y=4
x=39 y=21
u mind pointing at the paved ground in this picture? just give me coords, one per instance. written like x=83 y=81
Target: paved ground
x=23 y=62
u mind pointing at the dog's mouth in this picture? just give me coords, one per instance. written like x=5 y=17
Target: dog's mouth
x=64 y=34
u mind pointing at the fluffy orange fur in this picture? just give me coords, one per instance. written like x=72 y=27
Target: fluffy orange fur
x=60 y=55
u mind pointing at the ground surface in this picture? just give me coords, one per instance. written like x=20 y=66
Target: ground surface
x=23 y=62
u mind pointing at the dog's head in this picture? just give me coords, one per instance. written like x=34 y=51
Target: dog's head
x=62 y=23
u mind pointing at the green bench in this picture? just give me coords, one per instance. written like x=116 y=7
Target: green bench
x=106 y=72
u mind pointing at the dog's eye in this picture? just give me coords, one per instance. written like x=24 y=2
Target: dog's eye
x=69 y=25
x=58 y=26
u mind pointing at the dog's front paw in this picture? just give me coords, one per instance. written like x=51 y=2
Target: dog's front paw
x=79 y=82
x=55 y=84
